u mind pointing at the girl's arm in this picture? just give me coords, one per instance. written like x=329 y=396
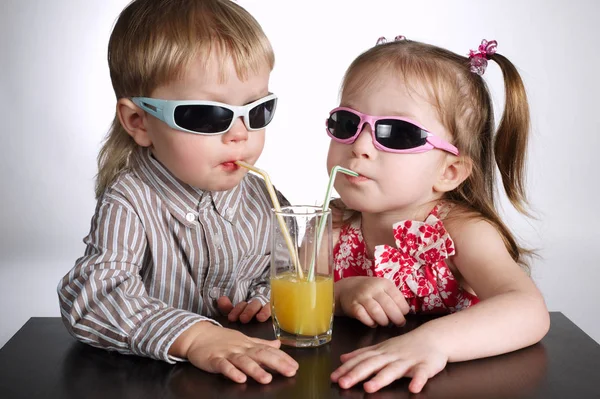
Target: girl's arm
x=512 y=313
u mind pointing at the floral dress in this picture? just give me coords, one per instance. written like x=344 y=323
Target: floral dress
x=416 y=265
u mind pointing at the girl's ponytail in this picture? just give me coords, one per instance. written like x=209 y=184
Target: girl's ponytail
x=510 y=144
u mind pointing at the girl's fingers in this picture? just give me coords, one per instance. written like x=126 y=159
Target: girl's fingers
x=251 y=368
x=376 y=312
x=350 y=364
x=398 y=299
x=387 y=375
x=362 y=315
x=225 y=367
x=391 y=309
x=363 y=370
x=420 y=375
x=347 y=356
x=250 y=310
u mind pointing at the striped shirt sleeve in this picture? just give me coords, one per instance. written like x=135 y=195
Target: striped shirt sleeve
x=103 y=300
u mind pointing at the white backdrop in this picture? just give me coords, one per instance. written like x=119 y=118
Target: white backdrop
x=56 y=104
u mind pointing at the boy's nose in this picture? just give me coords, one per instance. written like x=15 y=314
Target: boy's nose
x=363 y=145
x=238 y=132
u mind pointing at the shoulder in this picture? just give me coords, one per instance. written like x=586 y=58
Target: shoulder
x=127 y=191
x=473 y=235
x=257 y=188
x=482 y=257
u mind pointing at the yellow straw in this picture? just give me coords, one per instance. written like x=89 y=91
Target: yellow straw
x=284 y=230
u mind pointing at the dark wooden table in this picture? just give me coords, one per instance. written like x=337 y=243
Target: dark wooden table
x=43 y=361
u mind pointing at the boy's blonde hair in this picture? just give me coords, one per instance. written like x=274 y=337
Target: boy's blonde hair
x=153 y=42
x=465 y=109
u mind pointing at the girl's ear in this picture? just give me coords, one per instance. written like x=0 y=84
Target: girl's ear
x=454 y=171
x=132 y=119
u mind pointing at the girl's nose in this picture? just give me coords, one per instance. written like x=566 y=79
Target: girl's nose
x=238 y=132
x=363 y=145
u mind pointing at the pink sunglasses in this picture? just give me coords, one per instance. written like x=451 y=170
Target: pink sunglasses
x=390 y=133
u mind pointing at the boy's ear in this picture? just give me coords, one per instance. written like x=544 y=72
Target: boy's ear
x=455 y=171
x=132 y=119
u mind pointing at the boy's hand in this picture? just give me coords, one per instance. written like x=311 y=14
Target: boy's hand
x=372 y=300
x=222 y=350
x=244 y=311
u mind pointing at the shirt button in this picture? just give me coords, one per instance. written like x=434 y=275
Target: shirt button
x=190 y=217
x=229 y=213
x=214 y=293
x=217 y=239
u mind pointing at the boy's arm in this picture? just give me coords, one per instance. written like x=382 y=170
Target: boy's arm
x=103 y=300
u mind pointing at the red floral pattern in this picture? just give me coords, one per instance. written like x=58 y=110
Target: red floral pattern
x=416 y=265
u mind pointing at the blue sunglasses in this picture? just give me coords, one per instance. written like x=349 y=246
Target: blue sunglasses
x=209 y=117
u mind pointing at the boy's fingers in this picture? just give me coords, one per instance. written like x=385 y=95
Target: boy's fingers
x=251 y=309
x=236 y=311
x=250 y=367
x=264 y=313
x=224 y=366
x=224 y=304
x=276 y=344
x=273 y=343
x=275 y=360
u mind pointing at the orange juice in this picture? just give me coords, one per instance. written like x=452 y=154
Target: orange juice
x=302 y=307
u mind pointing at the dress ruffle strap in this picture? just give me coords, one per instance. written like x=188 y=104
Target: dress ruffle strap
x=417 y=244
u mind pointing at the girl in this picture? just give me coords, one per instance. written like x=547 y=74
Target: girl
x=180 y=232
x=419 y=229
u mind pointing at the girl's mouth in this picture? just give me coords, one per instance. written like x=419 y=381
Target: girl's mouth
x=356 y=179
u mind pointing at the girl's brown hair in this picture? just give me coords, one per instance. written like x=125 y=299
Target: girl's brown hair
x=152 y=43
x=465 y=109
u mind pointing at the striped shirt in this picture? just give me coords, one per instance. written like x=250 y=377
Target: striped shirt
x=160 y=253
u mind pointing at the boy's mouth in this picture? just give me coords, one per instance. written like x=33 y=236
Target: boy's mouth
x=230 y=166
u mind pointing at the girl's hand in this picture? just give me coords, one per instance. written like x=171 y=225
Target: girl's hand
x=409 y=355
x=222 y=350
x=244 y=311
x=372 y=300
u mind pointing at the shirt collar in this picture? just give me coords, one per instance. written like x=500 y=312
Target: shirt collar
x=184 y=201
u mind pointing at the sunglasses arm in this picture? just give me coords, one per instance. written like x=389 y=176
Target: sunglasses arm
x=150 y=105
x=442 y=144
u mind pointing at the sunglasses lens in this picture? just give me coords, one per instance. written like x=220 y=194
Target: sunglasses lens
x=203 y=118
x=399 y=135
x=343 y=124
x=261 y=115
